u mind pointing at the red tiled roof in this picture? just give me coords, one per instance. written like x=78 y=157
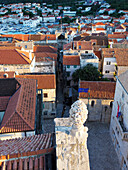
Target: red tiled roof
x=116 y=36
x=82 y=45
x=100 y=29
x=99 y=23
x=45 y=57
x=67 y=46
x=108 y=52
x=20 y=112
x=14 y=56
x=42 y=37
x=98 y=54
x=45 y=81
x=71 y=60
x=98 y=90
x=44 y=48
x=25 y=144
x=20 y=37
x=3 y=102
x=31 y=146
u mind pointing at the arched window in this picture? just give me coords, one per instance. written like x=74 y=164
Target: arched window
x=92 y=103
x=111 y=104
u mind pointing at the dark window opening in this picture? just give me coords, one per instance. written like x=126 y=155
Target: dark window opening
x=105 y=108
x=111 y=104
x=45 y=94
x=92 y=103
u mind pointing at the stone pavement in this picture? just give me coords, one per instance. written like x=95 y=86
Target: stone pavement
x=102 y=155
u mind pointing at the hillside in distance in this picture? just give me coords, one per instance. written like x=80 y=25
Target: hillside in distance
x=118 y=4
x=37 y=1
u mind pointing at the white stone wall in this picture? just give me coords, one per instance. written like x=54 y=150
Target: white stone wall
x=98 y=112
x=71 y=153
x=94 y=62
x=116 y=131
x=110 y=68
x=51 y=95
x=6 y=136
x=71 y=140
x=17 y=68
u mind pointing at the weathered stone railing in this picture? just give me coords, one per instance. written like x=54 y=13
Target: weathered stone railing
x=71 y=139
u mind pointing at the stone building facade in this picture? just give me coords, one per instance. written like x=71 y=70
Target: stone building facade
x=99 y=99
x=119 y=120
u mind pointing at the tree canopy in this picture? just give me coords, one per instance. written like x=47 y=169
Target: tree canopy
x=88 y=73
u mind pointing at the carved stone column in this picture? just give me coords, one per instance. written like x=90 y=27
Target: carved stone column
x=71 y=139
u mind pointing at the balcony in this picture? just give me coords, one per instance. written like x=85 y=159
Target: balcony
x=121 y=129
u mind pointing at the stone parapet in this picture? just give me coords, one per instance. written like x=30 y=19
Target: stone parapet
x=71 y=139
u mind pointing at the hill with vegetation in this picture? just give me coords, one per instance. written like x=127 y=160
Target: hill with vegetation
x=118 y=4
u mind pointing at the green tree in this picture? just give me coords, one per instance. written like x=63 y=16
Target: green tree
x=88 y=73
x=66 y=20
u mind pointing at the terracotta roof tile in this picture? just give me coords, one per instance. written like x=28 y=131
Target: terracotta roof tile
x=14 y=56
x=108 y=52
x=45 y=57
x=32 y=145
x=4 y=102
x=121 y=57
x=20 y=37
x=116 y=36
x=42 y=37
x=67 y=46
x=99 y=23
x=45 y=48
x=45 y=81
x=98 y=90
x=71 y=60
x=100 y=29
x=20 y=111
x=98 y=54
x=82 y=45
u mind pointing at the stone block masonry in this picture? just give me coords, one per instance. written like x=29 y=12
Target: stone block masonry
x=71 y=139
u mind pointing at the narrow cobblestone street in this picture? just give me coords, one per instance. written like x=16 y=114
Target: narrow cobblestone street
x=102 y=155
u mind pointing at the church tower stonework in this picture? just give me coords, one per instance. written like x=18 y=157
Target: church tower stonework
x=71 y=139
